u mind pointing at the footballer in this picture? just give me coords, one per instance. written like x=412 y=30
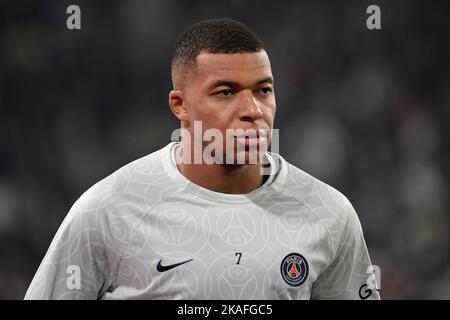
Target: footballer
x=230 y=222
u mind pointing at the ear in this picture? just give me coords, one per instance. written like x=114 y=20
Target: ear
x=177 y=105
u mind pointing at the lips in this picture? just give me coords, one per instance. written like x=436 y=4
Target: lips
x=252 y=133
x=251 y=141
x=251 y=138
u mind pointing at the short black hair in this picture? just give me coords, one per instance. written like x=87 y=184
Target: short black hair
x=214 y=36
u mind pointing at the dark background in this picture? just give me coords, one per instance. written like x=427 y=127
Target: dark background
x=365 y=111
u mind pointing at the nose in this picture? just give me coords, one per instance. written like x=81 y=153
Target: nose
x=249 y=107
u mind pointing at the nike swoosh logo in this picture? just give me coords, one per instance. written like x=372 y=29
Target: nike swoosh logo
x=162 y=268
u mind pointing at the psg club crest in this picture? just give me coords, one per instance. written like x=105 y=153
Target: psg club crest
x=294 y=269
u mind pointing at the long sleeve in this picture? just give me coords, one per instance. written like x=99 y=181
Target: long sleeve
x=349 y=276
x=80 y=260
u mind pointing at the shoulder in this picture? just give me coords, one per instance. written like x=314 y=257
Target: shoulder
x=326 y=202
x=123 y=197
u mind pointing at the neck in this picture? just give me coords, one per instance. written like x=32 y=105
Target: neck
x=224 y=178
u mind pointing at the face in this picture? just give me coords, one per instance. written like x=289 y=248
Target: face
x=231 y=91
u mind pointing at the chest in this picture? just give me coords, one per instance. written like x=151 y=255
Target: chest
x=201 y=250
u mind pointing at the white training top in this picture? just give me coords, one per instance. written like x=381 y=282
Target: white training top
x=147 y=232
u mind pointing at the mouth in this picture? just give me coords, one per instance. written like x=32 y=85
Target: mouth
x=254 y=138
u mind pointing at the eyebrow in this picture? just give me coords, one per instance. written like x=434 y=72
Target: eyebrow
x=232 y=84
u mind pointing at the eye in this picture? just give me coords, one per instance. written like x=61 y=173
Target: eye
x=266 y=90
x=224 y=93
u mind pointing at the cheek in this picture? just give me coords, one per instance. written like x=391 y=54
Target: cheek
x=214 y=114
x=269 y=113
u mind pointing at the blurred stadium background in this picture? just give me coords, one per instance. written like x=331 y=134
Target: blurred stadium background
x=365 y=111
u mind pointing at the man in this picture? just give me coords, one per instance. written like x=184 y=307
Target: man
x=194 y=222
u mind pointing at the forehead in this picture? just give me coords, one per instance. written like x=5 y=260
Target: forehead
x=240 y=67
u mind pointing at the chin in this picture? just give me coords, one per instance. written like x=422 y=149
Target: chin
x=244 y=158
